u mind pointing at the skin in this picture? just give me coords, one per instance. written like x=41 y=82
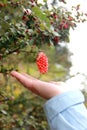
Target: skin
x=43 y=89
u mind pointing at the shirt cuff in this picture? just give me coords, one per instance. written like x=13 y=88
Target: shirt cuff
x=61 y=102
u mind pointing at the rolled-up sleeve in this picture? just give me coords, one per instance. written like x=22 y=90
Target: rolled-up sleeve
x=66 y=111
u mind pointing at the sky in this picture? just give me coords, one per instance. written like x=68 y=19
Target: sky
x=78 y=46
x=78 y=41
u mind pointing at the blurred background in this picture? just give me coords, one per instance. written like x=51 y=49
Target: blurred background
x=19 y=108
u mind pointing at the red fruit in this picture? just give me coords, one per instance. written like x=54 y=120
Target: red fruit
x=24 y=18
x=63 y=25
x=66 y=26
x=42 y=62
x=54 y=15
x=56 y=39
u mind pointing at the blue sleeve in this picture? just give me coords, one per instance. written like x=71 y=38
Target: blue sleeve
x=66 y=111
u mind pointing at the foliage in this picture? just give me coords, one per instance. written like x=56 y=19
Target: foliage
x=30 y=23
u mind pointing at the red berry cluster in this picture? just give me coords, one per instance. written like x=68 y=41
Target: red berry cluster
x=63 y=25
x=54 y=15
x=42 y=62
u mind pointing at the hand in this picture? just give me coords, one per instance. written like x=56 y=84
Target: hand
x=46 y=90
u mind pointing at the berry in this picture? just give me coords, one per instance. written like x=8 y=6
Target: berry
x=24 y=18
x=66 y=26
x=54 y=15
x=56 y=39
x=42 y=62
x=63 y=25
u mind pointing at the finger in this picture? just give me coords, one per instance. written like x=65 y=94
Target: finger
x=57 y=83
x=35 y=86
x=27 y=81
x=21 y=78
x=28 y=76
x=43 y=89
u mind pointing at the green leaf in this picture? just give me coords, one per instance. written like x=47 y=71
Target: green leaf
x=42 y=26
x=41 y=15
x=55 y=33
